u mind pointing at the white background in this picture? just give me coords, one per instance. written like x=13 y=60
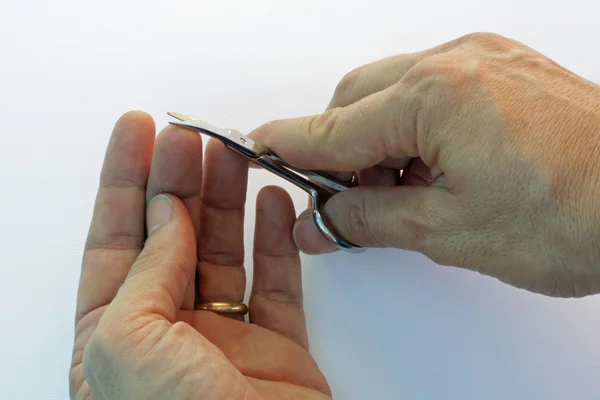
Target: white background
x=384 y=324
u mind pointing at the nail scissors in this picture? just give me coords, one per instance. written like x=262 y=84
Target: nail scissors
x=319 y=185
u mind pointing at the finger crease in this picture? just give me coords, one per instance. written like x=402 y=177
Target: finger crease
x=122 y=184
x=268 y=254
x=281 y=296
x=112 y=246
x=221 y=206
x=82 y=316
x=221 y=260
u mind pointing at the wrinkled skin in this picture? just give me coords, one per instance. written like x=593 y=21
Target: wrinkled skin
x=499 y=148
x=137 y=335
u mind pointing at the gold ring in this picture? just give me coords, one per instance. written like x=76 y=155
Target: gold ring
x=223 y=307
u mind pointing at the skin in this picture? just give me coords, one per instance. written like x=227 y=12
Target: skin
x=480 y=153
x=167 y=230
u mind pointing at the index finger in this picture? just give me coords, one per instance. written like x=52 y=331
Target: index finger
x=116 y=233
x=349 y=138
x=371 y=117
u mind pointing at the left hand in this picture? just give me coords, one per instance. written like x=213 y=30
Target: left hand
x=137 y=335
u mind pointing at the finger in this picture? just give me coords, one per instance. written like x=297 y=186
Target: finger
x=417 y=174
x=373 y=176
x=116 y=234
x=379 y=75
x=371 y=122
x=371 y=78
x=308 y=238
x=411 y=218
x=177 y=169
x=395 y=163
x=379 y=176
x=276 y=301
x=158 y=280
x=221 y=275
x=352 y=138
x=366 y=80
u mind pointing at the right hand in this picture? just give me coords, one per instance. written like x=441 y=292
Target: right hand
x=499 y=148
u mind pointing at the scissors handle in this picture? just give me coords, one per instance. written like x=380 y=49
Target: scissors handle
x=324 y=179
x=320 y=190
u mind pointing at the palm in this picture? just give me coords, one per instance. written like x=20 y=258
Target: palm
x=270 y=361
x=261 y=355
x=271 y=351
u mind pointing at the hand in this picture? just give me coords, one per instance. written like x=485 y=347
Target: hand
x=137 y=335
x=499 y=148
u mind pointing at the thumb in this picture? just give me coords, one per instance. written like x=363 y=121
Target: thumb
x=158 y=279
x=404 y=217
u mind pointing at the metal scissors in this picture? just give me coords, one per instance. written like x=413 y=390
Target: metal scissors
x=320 y=186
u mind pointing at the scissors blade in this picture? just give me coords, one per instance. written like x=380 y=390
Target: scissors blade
x=258 y=153
x=229 y=137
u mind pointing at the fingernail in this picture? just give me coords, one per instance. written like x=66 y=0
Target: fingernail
x=309 y=239
x=159 y=211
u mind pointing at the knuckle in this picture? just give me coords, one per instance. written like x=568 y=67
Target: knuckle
x=419 y=229
x=147 y=258
x=361 y=224
x=418 y=73
x=489 y=37
x=433 y=74
x=346 y=87
x=321 y=126
x=442 y=69
x=438 y=83
x=492 y=46
x=430 y=227
x=484 y=38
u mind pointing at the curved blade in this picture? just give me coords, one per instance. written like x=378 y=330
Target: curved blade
x=253 y=150
x=230 y=138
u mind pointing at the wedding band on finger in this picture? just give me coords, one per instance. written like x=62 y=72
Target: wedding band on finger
x=223 y=307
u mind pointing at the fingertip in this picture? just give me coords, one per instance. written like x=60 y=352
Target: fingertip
x=129 y=152
x=169 y=211
x=214 y=146
x=284 y=137
x=275 y=203
x=176 y=163
x=274 y=196
x=275 y=217
x=158 y=213
x=263 y=130
x=174 y=143
x=308 y=238
x=215 y=149
x=176 y=203
x=136 y=117
x=174 y=132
